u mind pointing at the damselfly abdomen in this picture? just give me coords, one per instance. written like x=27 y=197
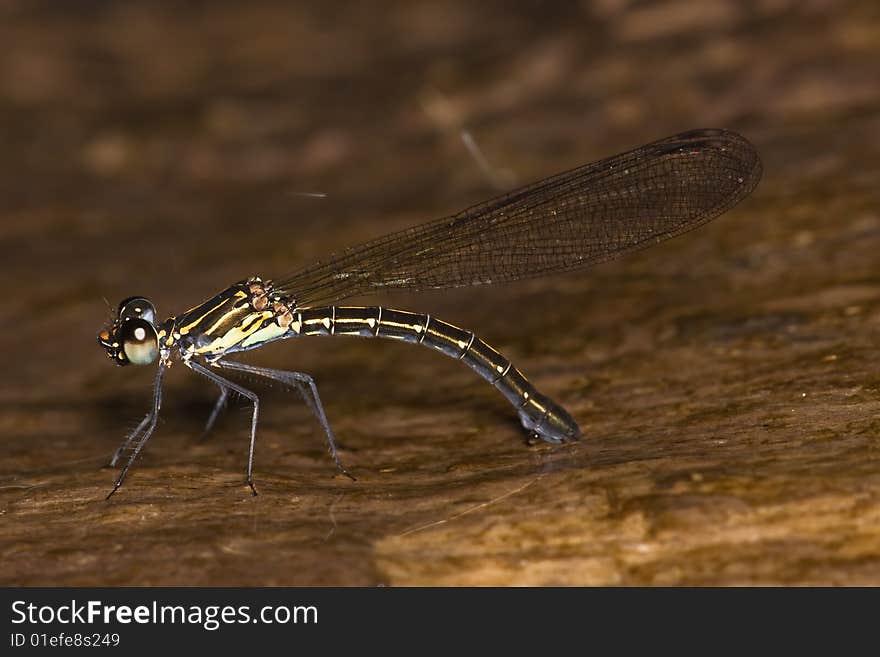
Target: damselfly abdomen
x=566 y=222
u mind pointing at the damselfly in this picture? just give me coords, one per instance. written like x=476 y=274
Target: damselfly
x=569 y=221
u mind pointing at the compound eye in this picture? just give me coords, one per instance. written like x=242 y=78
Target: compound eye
x=139 y=341
x=137 y=308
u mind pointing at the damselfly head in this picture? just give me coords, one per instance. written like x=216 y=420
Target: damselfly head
x=132 y=337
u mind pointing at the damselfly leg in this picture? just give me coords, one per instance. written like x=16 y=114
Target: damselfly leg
x=131 y=436
x=306 y=386
x=219 y=405
x=145 y=428
x=226 y=384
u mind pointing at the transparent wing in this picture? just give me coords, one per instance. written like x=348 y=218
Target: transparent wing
x=569 y=221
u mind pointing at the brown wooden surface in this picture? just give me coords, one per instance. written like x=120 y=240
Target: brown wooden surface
x=726 y=382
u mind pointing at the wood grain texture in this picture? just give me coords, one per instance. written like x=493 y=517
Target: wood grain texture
x=726 y=381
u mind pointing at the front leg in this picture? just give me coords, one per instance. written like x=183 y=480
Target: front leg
x=129 y=438
x=145 y=428
x=226 y=385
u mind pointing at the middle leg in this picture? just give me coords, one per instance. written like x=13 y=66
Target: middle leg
x=219 y=405
x=226 y=385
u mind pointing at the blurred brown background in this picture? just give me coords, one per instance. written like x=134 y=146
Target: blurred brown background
x=726 y=381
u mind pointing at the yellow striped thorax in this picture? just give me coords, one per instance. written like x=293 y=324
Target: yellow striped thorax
x=244 y=316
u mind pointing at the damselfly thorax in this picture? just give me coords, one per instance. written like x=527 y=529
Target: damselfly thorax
x=566 y=222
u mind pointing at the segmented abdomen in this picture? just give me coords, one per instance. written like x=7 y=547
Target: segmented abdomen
x=538 y=413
